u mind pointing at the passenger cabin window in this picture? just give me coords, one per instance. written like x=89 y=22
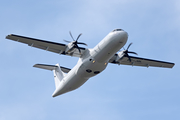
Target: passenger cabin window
x=117 y=30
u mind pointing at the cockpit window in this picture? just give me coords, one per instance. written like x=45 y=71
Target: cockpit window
x=117 y=30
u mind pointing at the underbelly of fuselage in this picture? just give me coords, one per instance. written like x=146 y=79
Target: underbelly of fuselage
x=81 y=73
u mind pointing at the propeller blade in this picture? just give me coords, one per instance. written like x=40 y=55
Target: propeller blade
x=82 y=43
x=71 y=35
x=132 y=52
x=78 y=36
x=76 y=46
x=129 y=46
x=67 y=41
x=126 y=52
x=129 y=57
x=79 y=50
x=75 y=42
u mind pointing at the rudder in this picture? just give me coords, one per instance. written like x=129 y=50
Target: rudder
x=58 y=75
x=58 y=71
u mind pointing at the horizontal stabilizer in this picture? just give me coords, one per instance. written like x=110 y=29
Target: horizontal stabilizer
x=51 y=67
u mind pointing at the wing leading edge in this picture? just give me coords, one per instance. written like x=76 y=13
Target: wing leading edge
x=45 y=45
x=144 y=62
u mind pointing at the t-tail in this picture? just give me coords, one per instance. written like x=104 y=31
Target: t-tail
x=58 y=71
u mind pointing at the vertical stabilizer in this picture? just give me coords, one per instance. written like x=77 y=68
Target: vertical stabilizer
x=58 y=75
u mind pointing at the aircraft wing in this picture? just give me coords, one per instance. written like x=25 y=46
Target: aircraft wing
x=45 y=45
x=143 y=62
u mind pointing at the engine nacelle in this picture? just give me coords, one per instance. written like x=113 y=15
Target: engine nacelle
x=119 y=57
x=70 y=48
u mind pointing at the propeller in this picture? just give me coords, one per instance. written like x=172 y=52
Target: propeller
x=126 y=52
x=75 y=42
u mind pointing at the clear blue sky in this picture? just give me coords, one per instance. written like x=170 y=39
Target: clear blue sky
x=118 y=93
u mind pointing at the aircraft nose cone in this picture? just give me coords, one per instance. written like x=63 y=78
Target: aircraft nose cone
x=125 y=34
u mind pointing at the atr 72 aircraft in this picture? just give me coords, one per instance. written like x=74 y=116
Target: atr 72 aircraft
x=91 y=61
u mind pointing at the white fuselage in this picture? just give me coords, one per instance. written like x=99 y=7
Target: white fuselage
x=92 y=62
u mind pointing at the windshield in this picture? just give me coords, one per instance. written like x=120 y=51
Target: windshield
x=117 y=30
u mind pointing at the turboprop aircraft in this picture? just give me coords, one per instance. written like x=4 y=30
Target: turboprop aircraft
x=91 y=61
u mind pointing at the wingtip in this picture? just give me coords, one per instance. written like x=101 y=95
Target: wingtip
x=7 y=37
x=34 y=65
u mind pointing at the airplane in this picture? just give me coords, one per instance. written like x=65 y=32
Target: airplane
x=91 y=61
